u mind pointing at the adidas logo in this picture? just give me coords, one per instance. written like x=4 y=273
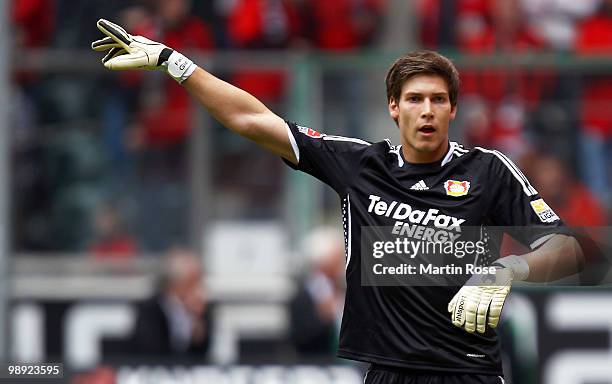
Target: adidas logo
x=419 y=186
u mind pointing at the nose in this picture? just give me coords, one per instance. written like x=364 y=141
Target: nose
x=426 y=113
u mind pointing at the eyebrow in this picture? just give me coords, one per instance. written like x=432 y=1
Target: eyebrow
x=421 y=93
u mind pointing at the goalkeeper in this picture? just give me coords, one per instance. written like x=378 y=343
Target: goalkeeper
x=408 y=334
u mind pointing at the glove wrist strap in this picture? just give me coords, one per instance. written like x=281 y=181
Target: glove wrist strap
x=179 y=67
x=517 y=264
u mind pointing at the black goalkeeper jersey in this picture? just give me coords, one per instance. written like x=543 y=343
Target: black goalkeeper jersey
x=409 y=326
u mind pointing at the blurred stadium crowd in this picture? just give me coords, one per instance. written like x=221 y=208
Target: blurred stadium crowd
x=80 y=143
x=103 y=163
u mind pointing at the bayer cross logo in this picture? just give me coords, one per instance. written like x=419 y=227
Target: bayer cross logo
x=456 y=188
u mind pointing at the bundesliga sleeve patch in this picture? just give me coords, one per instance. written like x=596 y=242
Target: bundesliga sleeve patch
x=456 y=188
x=309 y=132
x=544 y=212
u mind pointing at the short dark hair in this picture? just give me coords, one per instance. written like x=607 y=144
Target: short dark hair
x=422 y=63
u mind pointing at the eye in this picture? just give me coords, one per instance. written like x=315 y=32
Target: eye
x=414 y=99
x=439 y=99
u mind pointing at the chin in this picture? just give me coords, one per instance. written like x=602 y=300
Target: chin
x=427 y=147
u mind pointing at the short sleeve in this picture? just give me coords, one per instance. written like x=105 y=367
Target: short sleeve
x=331 y=159
x=517 y=205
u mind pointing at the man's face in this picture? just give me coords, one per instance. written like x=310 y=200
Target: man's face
x=423 y=114
x=191 y=291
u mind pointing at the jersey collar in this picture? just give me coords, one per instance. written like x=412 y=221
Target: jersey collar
x=397 y=150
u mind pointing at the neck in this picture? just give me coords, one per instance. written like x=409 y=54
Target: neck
x=412 y=155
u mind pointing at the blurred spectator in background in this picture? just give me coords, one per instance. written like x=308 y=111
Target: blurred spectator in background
x=153 y=131
x=248 y=180
x=316 y=309
x=569 y=198
x=555 y=20
x=32 y=26
x=488 y=26
x=33 y=21
x=550 y=21
x=262 y=25
x=175 y=323
x=508 y=95
x=73 y=20
x=165 y=116
x=341 y=27
x=436 y=23
x=594 y=37
x=56 y=191
x=577 y=206
x=110 y=240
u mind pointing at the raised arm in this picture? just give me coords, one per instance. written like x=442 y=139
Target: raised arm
x=231 y=106
x=241 y=112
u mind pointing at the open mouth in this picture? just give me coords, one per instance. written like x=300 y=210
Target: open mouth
x=428 y=129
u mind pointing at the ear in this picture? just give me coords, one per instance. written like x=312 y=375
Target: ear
x=393 y=109
x=453 y=112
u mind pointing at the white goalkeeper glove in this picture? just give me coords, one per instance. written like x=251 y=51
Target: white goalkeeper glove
x=480 y=301
x=137 y=52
